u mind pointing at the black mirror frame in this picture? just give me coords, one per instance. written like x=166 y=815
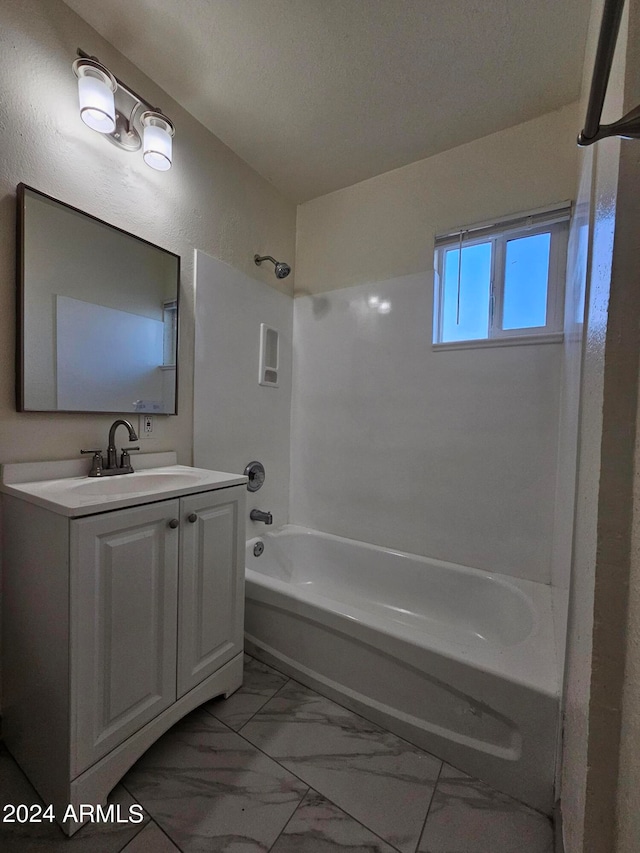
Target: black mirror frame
x=20 y=299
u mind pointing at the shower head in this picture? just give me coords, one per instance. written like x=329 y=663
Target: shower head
x=282 y=269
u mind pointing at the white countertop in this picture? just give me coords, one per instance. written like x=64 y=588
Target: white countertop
x=64 y=487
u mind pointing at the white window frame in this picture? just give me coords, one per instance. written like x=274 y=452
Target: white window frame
x=170 y=333
x=553 y=221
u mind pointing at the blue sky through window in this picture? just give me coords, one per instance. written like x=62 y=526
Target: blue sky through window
x=475 y=286
x=526 y=276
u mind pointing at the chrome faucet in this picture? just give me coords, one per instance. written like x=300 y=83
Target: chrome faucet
x=259 y=515
x=110 y=467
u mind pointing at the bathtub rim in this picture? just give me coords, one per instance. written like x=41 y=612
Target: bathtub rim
x=531 y=663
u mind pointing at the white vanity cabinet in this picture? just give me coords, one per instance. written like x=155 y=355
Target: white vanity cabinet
x=212 y=569
x=124 y=638
x=115 y=625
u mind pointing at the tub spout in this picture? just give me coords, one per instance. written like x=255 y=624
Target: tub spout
x=259 y=515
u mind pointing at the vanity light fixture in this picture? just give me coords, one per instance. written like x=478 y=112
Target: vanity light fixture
x=97 y=91
x=96 y=87
x=157 y=140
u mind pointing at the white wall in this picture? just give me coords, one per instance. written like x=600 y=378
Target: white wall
x=628 y=237
x=628 y=813
x=384 y=228
x=453 y=453
x=236 y=420
x=579 y=646
x=448 y=453
x=210 y=199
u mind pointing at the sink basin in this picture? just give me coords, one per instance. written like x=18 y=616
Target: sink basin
x=63 y=486
x=125 y=484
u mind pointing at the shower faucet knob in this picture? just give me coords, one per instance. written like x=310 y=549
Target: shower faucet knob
x=256 y=474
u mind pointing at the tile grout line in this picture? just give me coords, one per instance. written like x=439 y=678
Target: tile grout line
x=152 y=819
x=268 y=699
x=146 y=826
x=142 y=828
x=426 y=817
x=311 y=788
x=340 y=808
x=166 y=835
x=273 y=696
x=295 y=811
x=264 y=663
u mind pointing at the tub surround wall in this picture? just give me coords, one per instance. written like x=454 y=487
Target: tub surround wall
x=377 y=237
x=577 y=262
x=450 y=454
x=562 y=546
x=236 y=420
x=569 y=409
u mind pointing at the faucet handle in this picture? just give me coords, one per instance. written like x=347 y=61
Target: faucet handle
x=125 y=461
x=96 y=463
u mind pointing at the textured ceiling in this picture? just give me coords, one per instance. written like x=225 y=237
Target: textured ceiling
x=320 y=94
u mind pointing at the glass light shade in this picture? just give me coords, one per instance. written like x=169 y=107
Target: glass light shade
x=97 y=106
x=157 y=141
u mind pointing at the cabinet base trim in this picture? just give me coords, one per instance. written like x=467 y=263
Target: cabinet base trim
x=95 y=784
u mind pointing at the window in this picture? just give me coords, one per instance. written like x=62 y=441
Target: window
x=170 y=322
x=503 y=282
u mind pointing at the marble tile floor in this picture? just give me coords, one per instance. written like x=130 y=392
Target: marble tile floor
x=277 y=767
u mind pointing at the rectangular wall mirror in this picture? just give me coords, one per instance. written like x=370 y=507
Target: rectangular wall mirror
x=97 y=314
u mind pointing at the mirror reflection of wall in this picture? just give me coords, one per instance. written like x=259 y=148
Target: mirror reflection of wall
x=99 y=314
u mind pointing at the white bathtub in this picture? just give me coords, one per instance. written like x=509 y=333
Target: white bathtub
x=456 y=660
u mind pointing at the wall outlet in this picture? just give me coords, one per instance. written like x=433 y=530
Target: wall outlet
x=145 y=428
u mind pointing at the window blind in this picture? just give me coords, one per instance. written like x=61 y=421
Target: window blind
x=533 y=219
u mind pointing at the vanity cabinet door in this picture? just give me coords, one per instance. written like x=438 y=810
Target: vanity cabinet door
x=124 y=569
x=211 y=587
